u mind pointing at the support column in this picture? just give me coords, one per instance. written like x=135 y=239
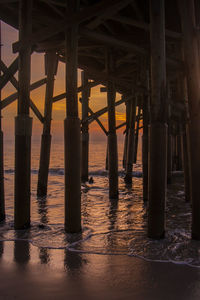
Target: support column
x=158 y=127
x=2 y=198
x=136 y=136
x=72 y=130
x=185 y=148
x=23 y=122
x=179 y=149
x=51 y=68
x=127 y=103
x=112 y=136
x=145 y=147
x=169 y=156
x=186 y=163
x=85 y=129
x=169 y=137
x=131 y=143
x=191 y=55
x=106 y=164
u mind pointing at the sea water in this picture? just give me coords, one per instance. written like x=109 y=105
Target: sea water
x=110 y=227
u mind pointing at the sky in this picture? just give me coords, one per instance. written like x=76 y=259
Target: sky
x=97 y=100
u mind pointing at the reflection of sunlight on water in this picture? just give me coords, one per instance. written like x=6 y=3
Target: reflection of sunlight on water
x=109 y=227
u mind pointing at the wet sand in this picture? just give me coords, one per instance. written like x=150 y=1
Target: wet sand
x=29 y=272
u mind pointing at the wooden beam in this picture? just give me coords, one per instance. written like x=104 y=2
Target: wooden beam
x=10 y=99
x=79 y=89
x=14 y=82
x=116 y=42
x=105 y=109
x=98 y=121
x=120 y=125
x=112 y=41
x=144 y=26
x=108 y=12
x=11 y=70
x=70 y=20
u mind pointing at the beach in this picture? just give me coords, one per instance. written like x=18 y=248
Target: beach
x=68 y=275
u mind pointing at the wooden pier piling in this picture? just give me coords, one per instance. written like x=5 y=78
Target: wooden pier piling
x=131 y=142
x=112 y=136
x=137 y=135
x=169 y=156
x=128 y=110
x=72 y=135
x=2 y=197
x=145 y=113
x=51 y=68
x=85 y=129
x=23 y=122
x=191 y=55
x=158 y=127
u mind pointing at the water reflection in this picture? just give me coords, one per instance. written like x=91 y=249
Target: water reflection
x=21 y=248
x=44 y=256
x=42 y=209
x=1 y=248
x=73 y=262
x=112 y=215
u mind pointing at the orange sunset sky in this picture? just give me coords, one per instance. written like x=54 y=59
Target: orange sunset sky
x=97 y=100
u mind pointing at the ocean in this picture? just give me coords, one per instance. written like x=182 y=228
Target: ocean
x=110 y=227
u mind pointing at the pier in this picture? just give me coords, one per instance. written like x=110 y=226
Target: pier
x=147 y=51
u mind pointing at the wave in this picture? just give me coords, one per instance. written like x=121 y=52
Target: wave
x=61 y=172
x=176 y=248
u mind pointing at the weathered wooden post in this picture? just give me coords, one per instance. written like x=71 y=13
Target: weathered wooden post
x=50 y=71
x=23 y=122
x=169 y=138
x=136 y=135
x=158 y=126
x=169 y=155
x=112 y=136
x=179 y=149
x=2 y=199
x=130 y=143
x=191 y=55
x=127 y=104
x=85 y=128
x=186 y=163
x=184 y=136
x=72 y=130
x=145 y=113
x=106 y=164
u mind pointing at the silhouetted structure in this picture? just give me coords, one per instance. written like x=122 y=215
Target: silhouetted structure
x=146 y=50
